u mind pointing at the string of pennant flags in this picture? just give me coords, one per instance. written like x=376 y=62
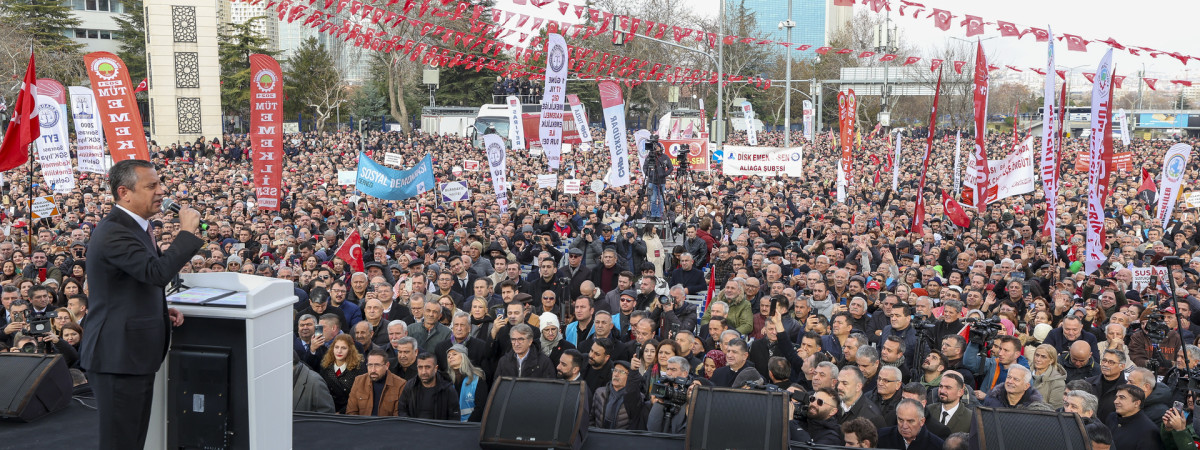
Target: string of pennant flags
x=325 y=15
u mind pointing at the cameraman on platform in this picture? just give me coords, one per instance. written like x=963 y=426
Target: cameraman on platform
x=657 y=167
x=664 y=397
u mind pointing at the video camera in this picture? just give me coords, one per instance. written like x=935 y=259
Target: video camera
x=1154 y=327
x=921 y=322
x=984 y=331
x=671 y=391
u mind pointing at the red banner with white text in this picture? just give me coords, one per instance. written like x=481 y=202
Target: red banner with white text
x=118 y=108
x=919 y=210
x=266 y=129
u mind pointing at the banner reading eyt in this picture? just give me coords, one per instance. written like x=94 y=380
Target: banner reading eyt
x=266 y=129
x=118 y=109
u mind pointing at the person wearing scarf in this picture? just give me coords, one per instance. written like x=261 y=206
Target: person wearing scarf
x=552 y=343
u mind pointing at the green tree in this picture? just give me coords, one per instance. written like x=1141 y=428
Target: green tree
x=237 y=42
x=132 y=27
x=313 y=82
x=46 y=22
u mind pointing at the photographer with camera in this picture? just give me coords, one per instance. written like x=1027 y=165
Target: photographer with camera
x=1155 y=344
x=34 y=334
x=673 y=313
x=668 y=397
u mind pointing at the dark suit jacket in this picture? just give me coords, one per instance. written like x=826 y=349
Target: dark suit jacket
x=890 y=438
x=960 y=422
x=128 y=327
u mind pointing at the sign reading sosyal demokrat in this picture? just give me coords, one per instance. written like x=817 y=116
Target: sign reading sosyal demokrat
x=379 y=181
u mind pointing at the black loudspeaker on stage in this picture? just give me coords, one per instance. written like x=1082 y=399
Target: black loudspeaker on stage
x=524 y=413
x=1022 y=429
x=723 y=418
x=33 y=386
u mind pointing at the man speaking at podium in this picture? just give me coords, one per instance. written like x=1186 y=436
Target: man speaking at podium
x=129 y=324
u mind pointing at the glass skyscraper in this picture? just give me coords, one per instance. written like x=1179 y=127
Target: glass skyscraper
x=815 y=20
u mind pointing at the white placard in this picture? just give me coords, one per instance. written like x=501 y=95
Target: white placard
x=347 y=177
x=547 y=181
x=393 y=159
x=571 y=186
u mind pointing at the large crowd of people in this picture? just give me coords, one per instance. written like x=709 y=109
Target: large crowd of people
x=747 y=282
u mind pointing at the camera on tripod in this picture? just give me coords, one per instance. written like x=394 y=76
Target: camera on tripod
x=984 y=331
x=921 y=322
x=1155 y=328
x=671 y=391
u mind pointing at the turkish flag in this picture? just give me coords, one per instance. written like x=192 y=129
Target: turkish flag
x=1075 y=43
x=804 y=47
x=974 y=25
x=1182 y=82
x=351 y=251
x=888 y=57
x=1114 y=44
x=880 y=5
x=1062 y=74
x=824 y=50
x=23 y=129
x=1040 y=34
x=843 y=2
x=1090 y=77
x=144 y=85
x=941 y=19
x=935 y=64
x=866 y=54
x=1014 y=69
x=1150 y=83
x=958 y=65
x=954 y=211
x=843 y=51
x=876 y=177
x=919 y=7
x=910 y=60
x=1007 y=29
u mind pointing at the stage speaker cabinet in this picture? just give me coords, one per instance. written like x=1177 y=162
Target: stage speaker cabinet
x=528 y=413
x=34 y=386
x=1019 y=429
x=725 y=418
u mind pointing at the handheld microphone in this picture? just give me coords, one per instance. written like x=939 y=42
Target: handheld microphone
x=169 y=206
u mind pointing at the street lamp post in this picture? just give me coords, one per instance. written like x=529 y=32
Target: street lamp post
x=787 y=95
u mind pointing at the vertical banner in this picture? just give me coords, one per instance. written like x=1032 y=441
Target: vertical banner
x=1100 y=145
x=266 y=129
x=1173 y=171
x=847 y=112
x=1123 y=121
x=980 y=159
x=808 y=120
x=896 y=165
x=496 y=156
x=614 y=122
x=919 y=210
x=550 y=128
x=751 y=133
x=581 y=120
x=54 y=146
x=89 y=137
x=118 y=108
x=957 y=161
x=516 y=129
x=1049 y=156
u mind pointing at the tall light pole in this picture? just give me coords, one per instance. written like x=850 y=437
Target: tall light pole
x=883 y=41
x=787 y=95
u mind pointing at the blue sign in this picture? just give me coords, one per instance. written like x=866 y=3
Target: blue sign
x=1161 y=120
x=390 y=184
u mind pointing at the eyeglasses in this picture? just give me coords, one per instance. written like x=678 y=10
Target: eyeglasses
x=817 y=401
x=885 y=380
x=1107 y=362
x=626 y=300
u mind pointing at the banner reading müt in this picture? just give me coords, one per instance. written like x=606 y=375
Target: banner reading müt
x=380 y=181
x=266 y=129
x=118 y=108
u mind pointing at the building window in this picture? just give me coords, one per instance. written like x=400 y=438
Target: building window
x=81 y=33
x=97 y=5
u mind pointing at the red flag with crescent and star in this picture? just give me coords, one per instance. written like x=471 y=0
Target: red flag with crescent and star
x=351 y=251
x=954 y=211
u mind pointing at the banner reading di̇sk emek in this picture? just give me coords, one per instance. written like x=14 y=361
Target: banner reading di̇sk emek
x=378 y=181
x=118 y=108
x=266 y=129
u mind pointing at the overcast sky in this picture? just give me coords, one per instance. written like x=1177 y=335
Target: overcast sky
x=1161 y=26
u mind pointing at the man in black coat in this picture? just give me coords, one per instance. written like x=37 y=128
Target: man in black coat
x=524 y=361
x=1130 y=427
x=910 y=432
x=575 y=272
x=478 y=351
x=737 y=355
x=129 y=324
x=821 y=422
x=431 y=395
